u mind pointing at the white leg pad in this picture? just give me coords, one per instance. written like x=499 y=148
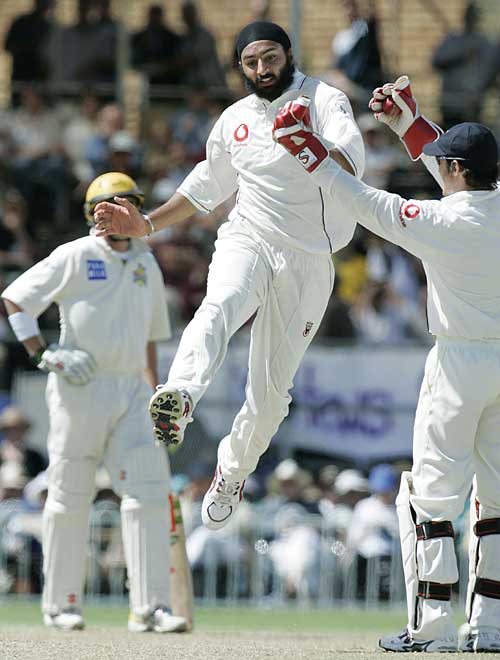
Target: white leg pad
x=429 y=560
x=144 y=483
x=408 y=536
x=65 y=532
x=481 y=610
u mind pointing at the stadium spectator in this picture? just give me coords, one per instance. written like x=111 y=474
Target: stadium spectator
x=374 y=530
x=199 y=51
x=17 y=248
x=89 y=46
x=356 y=56
x=155 y=50
x=79 y=129
x=381 y=157
x=463 y=60
x=39 y=166
x=337 y=503
x=192 y=124
x=14 y=427
x=124 y=155
x=295 y=552
x=27 y=41
x=96 y=150
x=381 y=316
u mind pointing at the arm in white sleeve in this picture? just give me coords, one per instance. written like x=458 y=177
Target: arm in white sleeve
x=337 y=127
x=415 y=225
x=44 y=283
x=213 y=180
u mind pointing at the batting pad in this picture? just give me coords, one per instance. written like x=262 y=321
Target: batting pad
x=145 y=513
x=65 y=532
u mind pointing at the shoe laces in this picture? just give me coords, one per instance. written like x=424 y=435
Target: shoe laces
x=227 y=490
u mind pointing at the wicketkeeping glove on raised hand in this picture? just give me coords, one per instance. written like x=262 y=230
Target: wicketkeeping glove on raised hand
x=292 y=129
x=74 y=365
x=394 y=105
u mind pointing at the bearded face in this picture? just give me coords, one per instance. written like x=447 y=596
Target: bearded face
x=266 y=69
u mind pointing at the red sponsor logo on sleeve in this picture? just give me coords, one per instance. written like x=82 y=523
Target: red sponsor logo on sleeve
x=408 y=211
x=241 y=133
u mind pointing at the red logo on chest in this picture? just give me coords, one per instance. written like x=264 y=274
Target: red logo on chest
x=241 y=133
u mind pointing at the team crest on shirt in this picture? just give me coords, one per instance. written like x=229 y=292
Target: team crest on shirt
x=408 y=211
x=96 y=269
x=308 y=328
x=140 y=276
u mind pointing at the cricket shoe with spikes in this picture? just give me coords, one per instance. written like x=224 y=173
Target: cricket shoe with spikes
x=403 y=643
x=161 y=620
x=479 y=640
x=67 y=619
x=170 y=410
x=221 y=501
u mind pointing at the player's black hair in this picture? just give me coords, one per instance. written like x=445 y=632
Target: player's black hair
x=479 y=179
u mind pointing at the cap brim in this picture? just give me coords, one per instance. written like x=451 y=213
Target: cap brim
x=434 y=149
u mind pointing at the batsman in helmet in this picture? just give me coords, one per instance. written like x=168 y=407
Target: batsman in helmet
x=101 y=375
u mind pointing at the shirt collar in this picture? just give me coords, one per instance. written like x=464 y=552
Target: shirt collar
x=137 y=246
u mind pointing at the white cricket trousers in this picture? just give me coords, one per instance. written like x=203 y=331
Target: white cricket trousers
x=288 y=290
x=105 y=421
x=457 y=435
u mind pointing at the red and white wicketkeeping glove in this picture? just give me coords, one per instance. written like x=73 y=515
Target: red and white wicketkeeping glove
x=292 y=129
x=394 y=105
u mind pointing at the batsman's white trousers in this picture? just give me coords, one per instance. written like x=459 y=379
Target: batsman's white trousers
x=288 y=290
x=105 y=421
x=457 y=435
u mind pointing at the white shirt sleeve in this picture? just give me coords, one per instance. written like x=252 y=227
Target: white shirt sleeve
x=37 y=288
x=213 y=180
x=336 y=124
x=418 y=226
x=161 y=329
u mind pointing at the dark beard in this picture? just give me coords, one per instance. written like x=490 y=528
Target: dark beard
x=284 y=81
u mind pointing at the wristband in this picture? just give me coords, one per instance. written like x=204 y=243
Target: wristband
x=148 y=221
x=23 y=326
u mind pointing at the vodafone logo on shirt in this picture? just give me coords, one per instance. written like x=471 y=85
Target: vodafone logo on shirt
x=408 y=211
x=241 y=133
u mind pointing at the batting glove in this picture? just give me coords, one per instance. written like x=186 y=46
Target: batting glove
x=292 y=129
x=74 y=365
x=394 y=104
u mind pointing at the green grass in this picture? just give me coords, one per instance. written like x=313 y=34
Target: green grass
x=15 y=612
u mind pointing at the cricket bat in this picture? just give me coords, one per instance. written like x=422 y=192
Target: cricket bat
x=181 y=581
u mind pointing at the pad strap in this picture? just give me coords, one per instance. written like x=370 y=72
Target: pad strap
x=433 y=530
x=487 y=527
x=434 y=590
x=489 y=588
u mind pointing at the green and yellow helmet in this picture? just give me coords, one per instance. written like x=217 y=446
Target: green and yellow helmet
x=107 y=186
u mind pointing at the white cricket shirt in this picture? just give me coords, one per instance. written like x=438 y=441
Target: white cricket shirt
x=275 y=194
x=109 y=307
x=457 y=238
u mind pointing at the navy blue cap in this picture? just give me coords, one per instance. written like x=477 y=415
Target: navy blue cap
x=470 y=142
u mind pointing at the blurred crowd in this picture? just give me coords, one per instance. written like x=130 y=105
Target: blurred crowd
x=305 y=526
x=65 y=125
x=290 y=514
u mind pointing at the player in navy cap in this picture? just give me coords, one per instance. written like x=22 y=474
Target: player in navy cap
x=456 y=432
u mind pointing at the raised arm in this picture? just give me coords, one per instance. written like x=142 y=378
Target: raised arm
x=209 y=184
x=395 y=105
x=416 y=226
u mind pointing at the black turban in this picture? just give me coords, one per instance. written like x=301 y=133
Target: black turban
x=261 y=31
